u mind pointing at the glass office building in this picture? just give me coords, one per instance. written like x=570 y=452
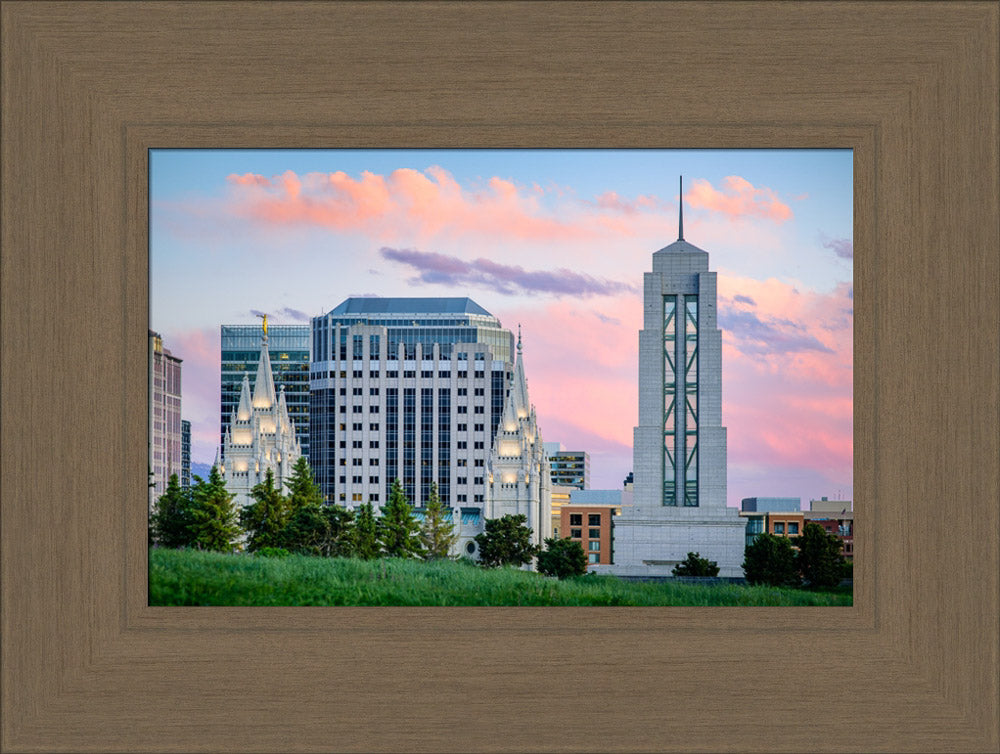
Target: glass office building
x=407 y=388
x=289 y=352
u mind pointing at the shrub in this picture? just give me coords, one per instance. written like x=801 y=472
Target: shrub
x=693 y=565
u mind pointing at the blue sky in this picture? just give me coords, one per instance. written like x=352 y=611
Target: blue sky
x=295 y=232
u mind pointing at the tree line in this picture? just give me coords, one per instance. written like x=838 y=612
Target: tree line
x=204 y=517
x=815 y=559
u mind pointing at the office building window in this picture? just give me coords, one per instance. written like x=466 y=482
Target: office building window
x=594 y=557
x=594 y=519
x=576 y=519
x=595 y=533
x=576 y=533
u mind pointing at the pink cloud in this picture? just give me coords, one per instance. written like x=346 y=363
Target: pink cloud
x=738 y=198
x=421 y=204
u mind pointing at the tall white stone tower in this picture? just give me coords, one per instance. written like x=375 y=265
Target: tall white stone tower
x=519 y=474
x=260 y=435
x=680 y=444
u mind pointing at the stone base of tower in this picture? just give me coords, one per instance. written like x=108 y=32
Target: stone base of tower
x=655 y=543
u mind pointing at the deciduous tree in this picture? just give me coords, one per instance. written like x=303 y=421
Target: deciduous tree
x=562 y=558
x=505 y=541
x=770 y=560
x=820 y=559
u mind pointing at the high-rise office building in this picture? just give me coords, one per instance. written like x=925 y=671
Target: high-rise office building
x=569 y=468
x=260 y=435
x=289 y=351
x=408 y=388
x=679 y=449
x=164 y=416
x=185 y=453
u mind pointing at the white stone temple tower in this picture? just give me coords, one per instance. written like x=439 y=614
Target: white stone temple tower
x=260 y=436
x=680 y=444
x=519 y=474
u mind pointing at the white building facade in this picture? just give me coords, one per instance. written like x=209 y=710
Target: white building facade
x=519 y=481
x=679 y=450
x=260 y=435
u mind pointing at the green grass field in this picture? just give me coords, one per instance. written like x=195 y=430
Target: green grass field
x=186 y=577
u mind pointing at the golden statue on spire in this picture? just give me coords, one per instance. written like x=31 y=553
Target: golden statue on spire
x=264 y=317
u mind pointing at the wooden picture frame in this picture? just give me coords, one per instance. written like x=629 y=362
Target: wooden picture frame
x=89 y=87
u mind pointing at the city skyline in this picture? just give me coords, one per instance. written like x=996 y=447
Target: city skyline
x=554 y=241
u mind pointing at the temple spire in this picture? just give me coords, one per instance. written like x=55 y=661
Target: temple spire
x=519 y=337
x=680 y=217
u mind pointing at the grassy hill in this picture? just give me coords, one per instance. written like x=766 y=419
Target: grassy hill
x=186 y=577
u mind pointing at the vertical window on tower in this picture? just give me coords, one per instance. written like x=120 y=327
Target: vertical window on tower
x=343 y=344
x=691 y=401
x=409 y=442
x=357 y=343
x=391 y=437
x=373 y=347
x=426 y=444
x=669 y=398
x=444 y=445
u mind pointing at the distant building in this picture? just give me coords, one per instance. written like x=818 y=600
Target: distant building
x=185 y=454
x=289 y=351
x=560 y=497
x=164 y=416
x=837 y=518
x=782 y=518
x=779 y=522
x=569 y=468
x=768 y=504
x=260 y=435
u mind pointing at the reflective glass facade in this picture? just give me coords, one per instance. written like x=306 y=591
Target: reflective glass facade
x=288 y=348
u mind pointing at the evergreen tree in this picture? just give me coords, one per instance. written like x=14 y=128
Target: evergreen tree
x=505 y=541
x=437 y=533
x=366 y=534
x=327 y=531
x=264 y=519
x=562 y=558
x=399 y=531
x=694 y=565
x=820 y=559
x=171 y=518
x=213 y=518
x=302 y=487
x=770 y=560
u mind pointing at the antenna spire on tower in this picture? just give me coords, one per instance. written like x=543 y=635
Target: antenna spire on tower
x=680 y=217
x=519 y=337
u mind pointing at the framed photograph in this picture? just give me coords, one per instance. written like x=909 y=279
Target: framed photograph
x=89 y=89
x=471 y=355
